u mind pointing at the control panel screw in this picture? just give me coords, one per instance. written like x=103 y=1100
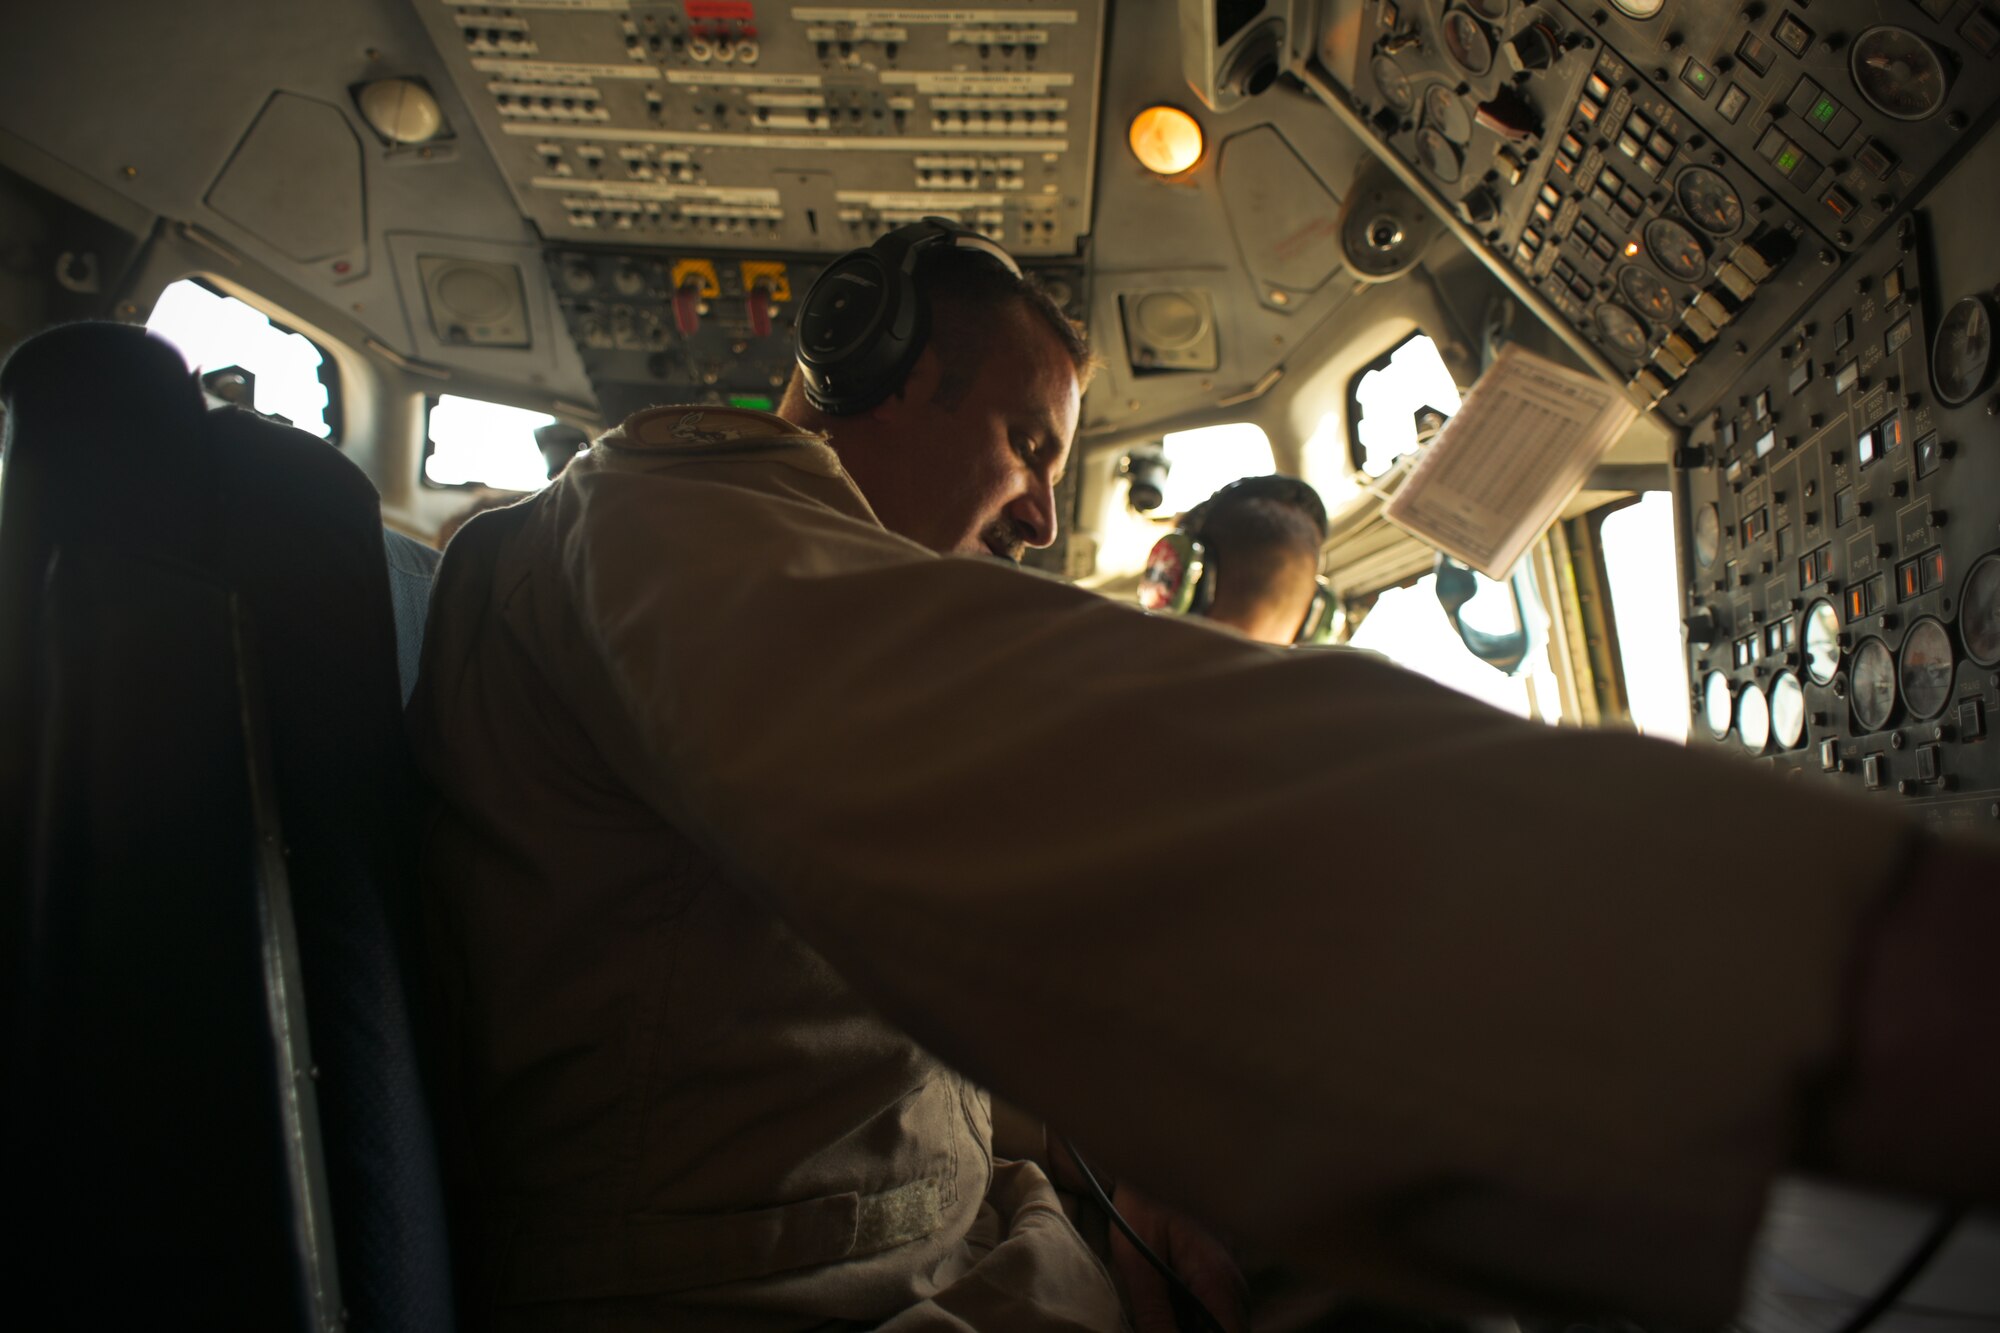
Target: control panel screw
x=1956 y=120
x=1895 y=740
x=1827 y=258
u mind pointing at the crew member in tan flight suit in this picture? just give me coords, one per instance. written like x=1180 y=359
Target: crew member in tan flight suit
x=778 y=819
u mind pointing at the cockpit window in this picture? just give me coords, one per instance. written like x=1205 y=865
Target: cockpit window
x=1638 y=547
x=294 y=378
x=1386 y=397
x=1199 y=463
x=1409 y=626
x=477 y=443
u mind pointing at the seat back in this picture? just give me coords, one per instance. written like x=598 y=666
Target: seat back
x=201 y=743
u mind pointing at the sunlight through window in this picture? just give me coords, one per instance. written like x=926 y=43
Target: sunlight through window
x=474 y=442
x=213 y=331
x=1387 y=396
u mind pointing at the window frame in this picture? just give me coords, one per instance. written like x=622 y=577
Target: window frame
x=329 y=365
x=430 y=448
x=1356 y=451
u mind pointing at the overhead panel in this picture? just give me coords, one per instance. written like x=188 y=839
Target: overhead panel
x=791 y=127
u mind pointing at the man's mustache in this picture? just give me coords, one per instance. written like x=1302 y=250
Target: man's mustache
x=1006 y=537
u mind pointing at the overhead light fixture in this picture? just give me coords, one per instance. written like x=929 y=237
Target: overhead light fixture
x=402 y=111
x=1166 y=140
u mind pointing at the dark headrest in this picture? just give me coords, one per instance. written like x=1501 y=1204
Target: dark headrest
x=100 y=374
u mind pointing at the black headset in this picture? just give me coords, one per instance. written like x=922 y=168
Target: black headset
x=865 y=318
x=1180 y=572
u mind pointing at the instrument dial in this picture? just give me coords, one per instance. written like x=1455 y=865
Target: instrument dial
x=1788 y=711
x=1444 y=111
x=1621 y=329
x=1979 y=612
x=1639 y=9
x=1706 y=198
x=1718 y=710
x=1898 y=72
x=1871 y=681
x=1753 y=719
x=1439 y=154
x=1822 y=642
x=1962 y=354
x=1925 y=671
x=1393 y=84
x=1466 y=42
x=1676 y=249
x=1647 y=293
x=1707 y=535
x=1489 y=9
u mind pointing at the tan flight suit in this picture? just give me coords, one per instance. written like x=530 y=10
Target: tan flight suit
x=1536 y=1032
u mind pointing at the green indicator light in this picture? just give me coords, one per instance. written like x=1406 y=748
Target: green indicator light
x=1787 y=160
x=756 y=402
x=1824 y=111
x=1698 y=75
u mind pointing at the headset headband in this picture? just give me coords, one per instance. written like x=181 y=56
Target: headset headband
x=1287 y=490
x=865 y=318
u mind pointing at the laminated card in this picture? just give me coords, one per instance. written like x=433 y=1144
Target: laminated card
x=1519 y=447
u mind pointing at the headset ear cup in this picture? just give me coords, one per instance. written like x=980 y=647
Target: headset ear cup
x=1176 y=573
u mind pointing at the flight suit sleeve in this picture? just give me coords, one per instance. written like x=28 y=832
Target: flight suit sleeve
x=1536 y=1031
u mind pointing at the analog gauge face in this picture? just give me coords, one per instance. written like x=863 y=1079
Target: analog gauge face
x=1707 y=199
x=1445 y=113
x=1788 y=711
x=1439 y=154
x=1393 y=83
x=1979 y=612
x=1465 y=40
x=1753 y=719
x=1707 y=535
x=1639 y=9
x=1676 y=249
x=1963 y=352
x=1648 y=294
x=1489 y=9
x=1718 y=709
x=1822 y=642
x=1925 y=672
x=1871 y=681
x=1898 y=72
x=1621 y=330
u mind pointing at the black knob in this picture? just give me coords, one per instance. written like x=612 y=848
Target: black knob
x=1701 y=629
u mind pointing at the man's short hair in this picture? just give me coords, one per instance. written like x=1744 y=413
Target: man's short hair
x=1258 y=531
x=966 y=290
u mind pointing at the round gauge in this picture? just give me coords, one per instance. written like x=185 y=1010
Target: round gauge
x=1871 y=679
x=1393 y=84
x=1925 y=672
x=1707 y=535
x=1676 y=249
x=1489 y=9
x=1753 y=719
x=1822 y=642
x=1439 y=154
x=1707 y=199
x=1718 y=709
x=1639 y=9
x=1466 y=42
x=1962 y=355
x=1898 y=72
x=1445 y=113
x=1979 y=612
x=1621 y=330
x=1647 y=293
x=1788 y=711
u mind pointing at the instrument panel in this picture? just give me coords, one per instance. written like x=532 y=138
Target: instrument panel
x=670 y=326
x=745 y=125
x=1679 y=181
x=1838 y=531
